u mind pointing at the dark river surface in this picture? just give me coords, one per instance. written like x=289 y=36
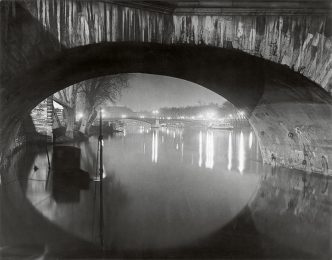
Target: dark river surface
x=168 y=193
x=162 y=188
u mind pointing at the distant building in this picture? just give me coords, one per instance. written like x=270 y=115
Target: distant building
x=58 y=118
x=39 y=117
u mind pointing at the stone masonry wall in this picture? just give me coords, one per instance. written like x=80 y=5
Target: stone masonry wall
x=304 y=43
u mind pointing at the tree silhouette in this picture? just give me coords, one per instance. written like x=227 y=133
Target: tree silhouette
x=98 y=91
x=67 y=98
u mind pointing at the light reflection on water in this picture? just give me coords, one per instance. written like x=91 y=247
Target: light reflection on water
x=230 y=151
x=200 y=149
x=209 y=150
x=241 y=154
x=155 y=142
x=250 y=140
x=161 y=190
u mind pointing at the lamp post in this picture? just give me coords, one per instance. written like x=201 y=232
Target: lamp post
x=243 y=117
x=101 y=181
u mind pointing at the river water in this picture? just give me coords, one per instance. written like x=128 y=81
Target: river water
x=162 y=188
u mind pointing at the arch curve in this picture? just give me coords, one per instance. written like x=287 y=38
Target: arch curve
x=276 y=99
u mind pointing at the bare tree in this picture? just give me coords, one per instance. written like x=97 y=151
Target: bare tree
x=67 y=98
x=98 y=91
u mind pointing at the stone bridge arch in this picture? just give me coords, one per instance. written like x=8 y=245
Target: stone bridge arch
x=48 y=45
x=275 y=65
x=290 y=114
x=293 y=33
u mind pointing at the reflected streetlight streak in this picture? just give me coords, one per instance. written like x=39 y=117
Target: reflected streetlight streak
x=155 y=147
x=152 y=147
x=230 y=151
x=250 y=140
x=200 y=149
x=209 y=150
x=241 y=154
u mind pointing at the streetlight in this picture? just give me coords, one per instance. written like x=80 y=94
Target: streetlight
x=245 y=120
x=155 y=112
x=79 y=116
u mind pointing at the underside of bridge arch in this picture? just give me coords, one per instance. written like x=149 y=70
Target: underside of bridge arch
x=290 y=114
x=44 y=47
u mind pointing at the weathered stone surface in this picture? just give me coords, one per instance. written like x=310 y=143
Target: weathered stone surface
x=303 y=43
x=24 y=41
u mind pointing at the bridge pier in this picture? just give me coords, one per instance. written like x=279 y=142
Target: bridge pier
x=293 y=126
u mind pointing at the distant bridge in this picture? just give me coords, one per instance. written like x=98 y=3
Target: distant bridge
x=151 y=120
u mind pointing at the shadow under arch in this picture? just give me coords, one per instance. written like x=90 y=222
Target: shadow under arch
x=283 y=106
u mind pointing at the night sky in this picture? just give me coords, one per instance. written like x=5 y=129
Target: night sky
x=149 y=92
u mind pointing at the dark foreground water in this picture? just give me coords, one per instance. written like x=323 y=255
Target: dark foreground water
x=163 y=188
